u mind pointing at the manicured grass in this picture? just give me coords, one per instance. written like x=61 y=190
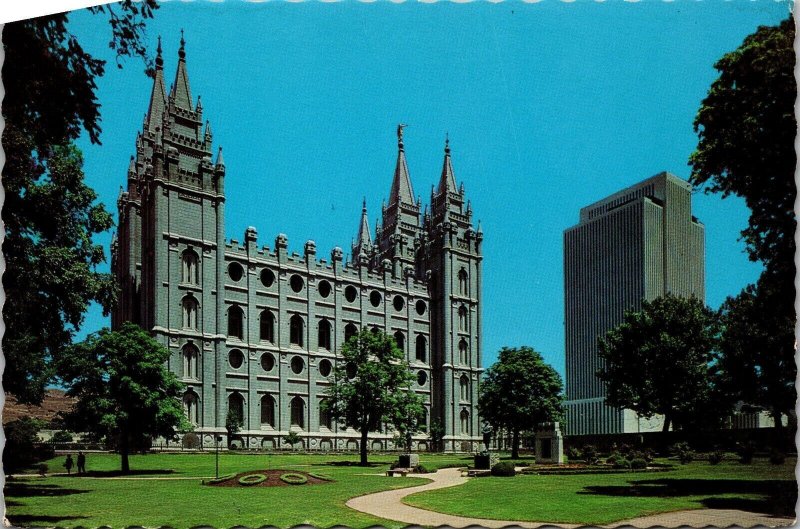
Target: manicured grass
x=182 y=503
x=605 y=498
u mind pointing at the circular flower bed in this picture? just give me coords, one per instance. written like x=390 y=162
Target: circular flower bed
x=292 y=478
x=252 y=479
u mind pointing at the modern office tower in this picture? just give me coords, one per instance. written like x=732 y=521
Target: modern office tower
x=637 y=244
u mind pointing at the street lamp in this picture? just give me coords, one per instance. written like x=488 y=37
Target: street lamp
x=218 y=438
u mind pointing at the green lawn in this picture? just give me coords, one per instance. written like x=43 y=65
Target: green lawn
x=91 y=502
x=605 y=498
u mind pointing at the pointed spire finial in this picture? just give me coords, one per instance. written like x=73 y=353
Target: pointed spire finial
x=159 y=59
x=364 y=205
x=182 y=50
x=220 y=159
x=400 y=128
x=447 y=143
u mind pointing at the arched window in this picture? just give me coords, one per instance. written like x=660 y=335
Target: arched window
x=191 y=407
x=463 y=284
x=236 y=322
x=298 y=412
x=325 y=420
x=464 y=388
x=464 y=422
x=462 y=318
x=236 y=407
x=423 y=423
x=268 y=411
x=324 y=335
x=190 y=271
x=190 y=360
x=400 y=340
x=296 y=330
x=267 y=326
x=350 y=330
x=189 y=312
x=422 y=348
x=463 y=352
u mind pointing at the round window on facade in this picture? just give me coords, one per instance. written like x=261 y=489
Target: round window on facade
x=324 y=289
x=421 y=307
x=325 y=368
x=297 y=365
x=267 y=362
x=352 y=371
x=422 y=378
x=236 y=358
x=235 y=271
x=267 y=277
x=350 y=293
x=375 y=298
x=296 y=282
x=398 y=303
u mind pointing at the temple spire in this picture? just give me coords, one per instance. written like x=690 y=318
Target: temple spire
x=401 y=185
x=181 y=93
x=448 y=180
x=158 y=95
x=220 y=159
x=364 y=240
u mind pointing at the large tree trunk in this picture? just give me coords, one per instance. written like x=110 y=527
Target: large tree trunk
x=124 y=449
x=363 y=447
x=515 y=444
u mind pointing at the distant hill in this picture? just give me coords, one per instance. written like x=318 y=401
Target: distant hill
x=55 y=401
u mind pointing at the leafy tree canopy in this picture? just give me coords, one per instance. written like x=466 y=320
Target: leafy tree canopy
x=370 y=386
x=658 y=361
x=123 y=389
x=520 y=391
x=50 y=214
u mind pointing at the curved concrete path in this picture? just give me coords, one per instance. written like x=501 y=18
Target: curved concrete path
x=389 y=504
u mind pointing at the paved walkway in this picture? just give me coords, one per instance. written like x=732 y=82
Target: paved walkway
x=388 y=504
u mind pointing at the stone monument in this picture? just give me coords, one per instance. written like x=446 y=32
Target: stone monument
x=485 y=460
x=549 y=443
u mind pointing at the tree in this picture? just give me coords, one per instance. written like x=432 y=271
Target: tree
x=756 y=364
x=658 y=360
x=291 y=439
x=233 y=424
x=370 y=385
x=409 y=415
x=436 y=435
x=50 y=215
x=747 y=128
x=123 y=388
x=20 y=449
x=520 y=391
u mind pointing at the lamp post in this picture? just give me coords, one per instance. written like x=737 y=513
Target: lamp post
x=218 y=439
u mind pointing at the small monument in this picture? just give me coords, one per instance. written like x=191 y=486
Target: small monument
x=485 y=460
x=549 y=443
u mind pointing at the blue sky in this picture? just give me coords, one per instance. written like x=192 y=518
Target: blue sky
x=549 y=107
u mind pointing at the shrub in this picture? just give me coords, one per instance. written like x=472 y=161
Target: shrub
x=590 y=454
x=683 y=452
x=20 y=451
x=617 y=461
x=573 y=454
x=323 y=477
x=62 y=436
x=746 y=452
x=716 y=457
x=503 y=468
x=252 y=479
x=293 y=478
x=191 y=441
x=639 y=463
x=422 y=469
x=776 y=457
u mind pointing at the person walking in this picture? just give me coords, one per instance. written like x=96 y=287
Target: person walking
x=68 y=463
x=81 y=463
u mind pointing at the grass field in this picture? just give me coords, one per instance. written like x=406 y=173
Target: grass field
x=605 y=498
x=159 y=492
x=165 y=489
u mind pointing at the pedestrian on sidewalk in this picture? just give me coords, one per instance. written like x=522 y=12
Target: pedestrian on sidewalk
x=68 y=464
x=81 y=463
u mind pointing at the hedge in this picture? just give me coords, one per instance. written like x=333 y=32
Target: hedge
x=294 y=479
x=252 y=479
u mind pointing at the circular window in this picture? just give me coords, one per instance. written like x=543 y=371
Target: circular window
x=398 y=303
x=350 y=293
x=324 y=289
x=325 y=368
x=267 y=277
x=352 y=371
x=421 y=307
x=296 y=282
x=235 y=271
x=375 y=298
x=235 y=359
x=297 y=365
x=267 y=362
x=422 y=378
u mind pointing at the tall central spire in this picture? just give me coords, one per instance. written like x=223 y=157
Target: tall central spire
x=401 y=185
x=158 y=96
x=181 y=93
x=448 y=180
